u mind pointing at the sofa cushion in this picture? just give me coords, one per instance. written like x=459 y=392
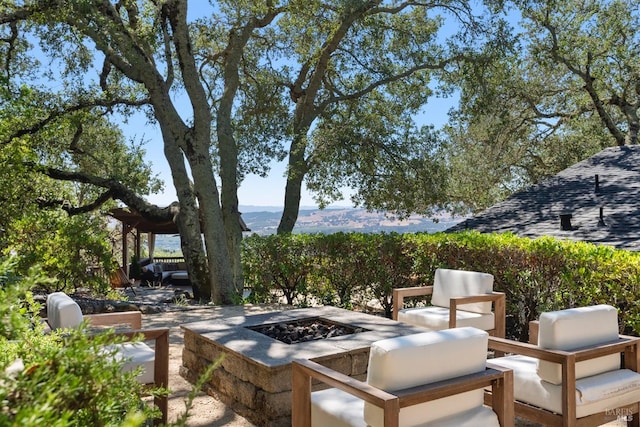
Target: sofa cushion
x=572 y=329
x=62 y=311
x=135 y=355
x=412 y=360
x=336 y=408
x=615 y=388
x=436 y=318
x=180 y=275
x=458 y=283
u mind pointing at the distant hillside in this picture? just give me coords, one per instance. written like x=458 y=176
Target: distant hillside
x=264 y=220
x=347 y=219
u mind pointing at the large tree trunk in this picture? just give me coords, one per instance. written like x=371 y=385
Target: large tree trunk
x=187 y=219
x=228 y=152
x=307 y=110
x=195 y=145
x=297 y=169
x=227 y=145
x=221 y=275
x=293 y=192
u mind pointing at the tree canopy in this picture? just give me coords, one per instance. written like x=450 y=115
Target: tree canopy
x=333 y=86
x=569 y=88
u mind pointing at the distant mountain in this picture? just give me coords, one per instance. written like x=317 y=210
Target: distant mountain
x=332 y=220
x=264 y=220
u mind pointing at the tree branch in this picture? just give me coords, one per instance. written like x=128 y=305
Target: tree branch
x=56 y=114
x=382 y=82
x=114 y=188
x=76 y=210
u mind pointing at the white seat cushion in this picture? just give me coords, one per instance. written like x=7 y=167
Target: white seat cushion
x=575 y=328
x=412 y=360
x=62 y=311
x=136 y=355
x=616 y=388
x=336 y=408
x=479 y=416
x=436 y=318
x=458 y=283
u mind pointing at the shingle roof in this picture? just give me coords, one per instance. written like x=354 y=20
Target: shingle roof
x=536 y=211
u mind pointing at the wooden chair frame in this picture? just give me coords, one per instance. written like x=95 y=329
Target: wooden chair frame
x=119 y=278
x=305 y=371
x=498 y=299
x=628 y=345
x=160 y=336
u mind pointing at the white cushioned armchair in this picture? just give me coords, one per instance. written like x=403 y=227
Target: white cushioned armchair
x=575 y=375
x=428 y=379
x=64 y=313
x=458 y=298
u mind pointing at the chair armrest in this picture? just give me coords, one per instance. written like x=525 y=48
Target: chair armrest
x=131 y=318
x=499 y=306
x=336 y=379
x=526 y=349
x=624 y=343
x=304 y=371
x=399 y=294
x=437 y=390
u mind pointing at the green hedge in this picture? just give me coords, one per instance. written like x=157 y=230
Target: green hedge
x=350 y=269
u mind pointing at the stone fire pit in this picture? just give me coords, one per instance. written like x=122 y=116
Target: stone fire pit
x=255 y=377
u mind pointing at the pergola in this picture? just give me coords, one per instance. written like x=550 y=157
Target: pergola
x=132 y=220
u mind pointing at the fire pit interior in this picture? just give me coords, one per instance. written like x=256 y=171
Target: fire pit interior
x=306 y=330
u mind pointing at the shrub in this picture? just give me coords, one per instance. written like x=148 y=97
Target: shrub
x=277 y=266
x=64 y=248
x=347 y=269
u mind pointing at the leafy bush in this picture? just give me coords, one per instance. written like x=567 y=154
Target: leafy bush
x=277 y=266
x=347 y=269
x=64 y=248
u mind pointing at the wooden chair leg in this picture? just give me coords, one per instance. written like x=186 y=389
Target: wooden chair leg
x=300 y=397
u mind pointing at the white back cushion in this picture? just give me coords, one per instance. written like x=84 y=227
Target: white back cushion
x=412 y=360
x=63 y=311
x=572 y=329
x=458 y=283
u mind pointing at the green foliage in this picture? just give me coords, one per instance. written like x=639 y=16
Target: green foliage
x=563 y=89
x=279 y=263
x=349 y=269
x=67 y=378
x=62 y=247
x=135 y=270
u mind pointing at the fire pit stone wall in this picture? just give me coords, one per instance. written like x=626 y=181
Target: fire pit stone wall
x=254 y=378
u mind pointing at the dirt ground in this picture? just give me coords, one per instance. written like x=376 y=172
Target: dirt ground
x=206 y=410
